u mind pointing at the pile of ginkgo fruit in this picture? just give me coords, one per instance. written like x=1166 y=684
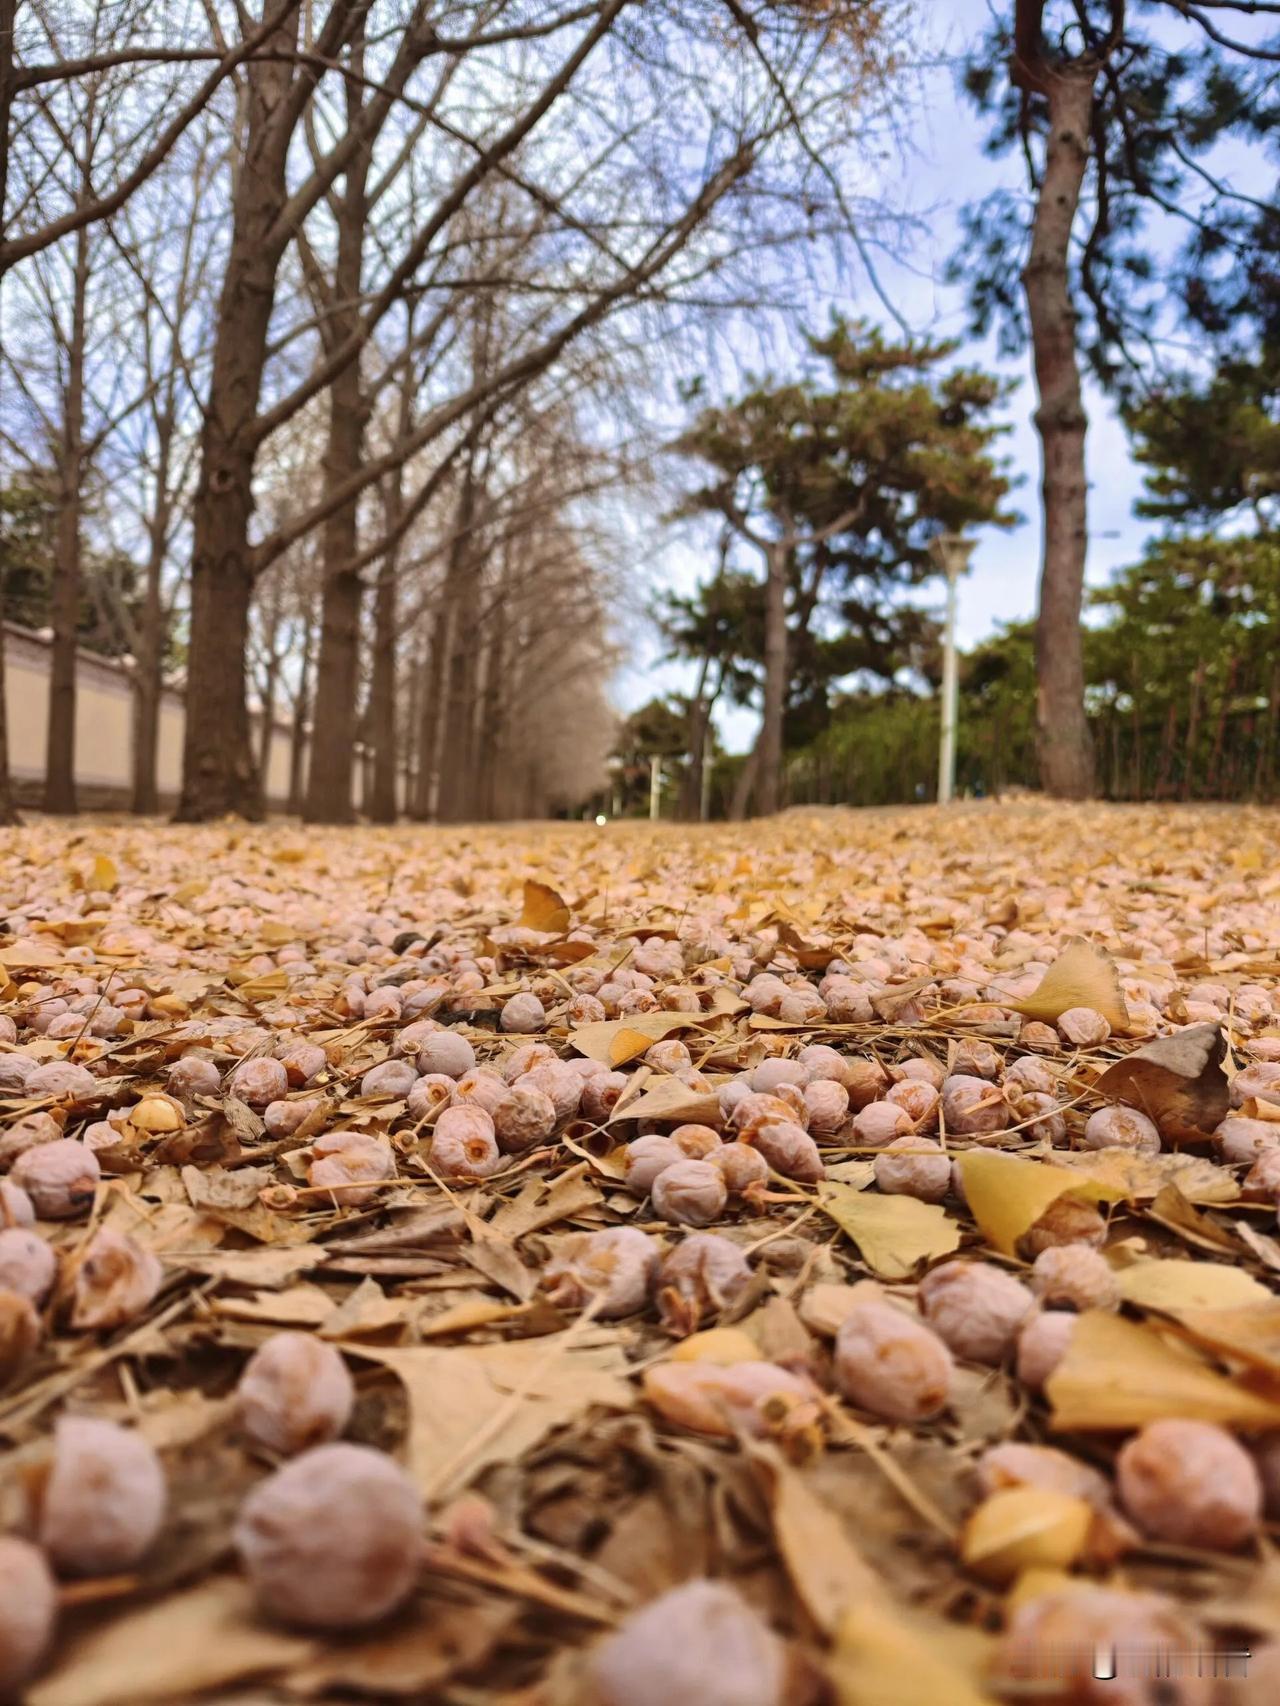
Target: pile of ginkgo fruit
x=826 y=1259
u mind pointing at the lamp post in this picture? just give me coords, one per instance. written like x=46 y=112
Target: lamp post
x=951 y=552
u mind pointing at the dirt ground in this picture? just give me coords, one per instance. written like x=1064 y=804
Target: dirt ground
x=605 y=1372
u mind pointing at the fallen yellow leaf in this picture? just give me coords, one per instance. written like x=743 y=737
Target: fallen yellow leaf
x=894 y=1234
x=597 y=1041
x=544 y=908
x=885 y=1660
x=1007 y=1194
x=1081 y=976
x=1120 y=1374
x=1177 y=1285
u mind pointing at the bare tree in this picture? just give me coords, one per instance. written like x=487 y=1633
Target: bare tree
x=48 y=211
x=1067 y=82
x=595 y=265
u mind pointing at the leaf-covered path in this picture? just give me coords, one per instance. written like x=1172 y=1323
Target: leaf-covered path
x=873 y=1212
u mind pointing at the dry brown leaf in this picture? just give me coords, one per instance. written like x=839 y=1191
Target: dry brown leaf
x=1176 y=1081
x=1120 y=1374
x=1142 y=1177
x=827 y=1571
x=670 y=1099
x=1172 y=1209
x=544 y=909
x=295 y=1306
x=543 y=1203
x=411 y=1660
x=264 y=1267
x=173 y=1649
x=893 y=1234
x=473 y=1406
x=29 y=955
x=1082 y=976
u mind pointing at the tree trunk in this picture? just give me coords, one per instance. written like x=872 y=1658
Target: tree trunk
x=8 y=11
x=745 y=786
x=60 y=751
x=429 y=719
x=383 y=806
x=460 y=631
x=690 y=806
x=769 y=745
x=218 y=770
x=330 y=783
x=266 y=729
x=489 y=742
x=1065 y=749
x=298 y=740
x=148 y=678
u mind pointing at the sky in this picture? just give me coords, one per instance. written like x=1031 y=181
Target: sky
x=949 y=169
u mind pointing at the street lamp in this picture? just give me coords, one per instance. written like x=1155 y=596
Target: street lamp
x=951 y=552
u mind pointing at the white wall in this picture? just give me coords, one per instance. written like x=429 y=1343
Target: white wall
x=104 y=727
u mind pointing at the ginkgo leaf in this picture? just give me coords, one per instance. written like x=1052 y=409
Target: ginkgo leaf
x=669 y=1099
x=1177 y=1285
x=1120 y=1374
x=627 y=1045
x=1248 y=1333
x=103 y=875
x=828 y=1572
x=893 y=1234
x=544 y=908
x=599 y=1041
x=1007 y=1194
x=1141 y=1177
x=25 y=954
x=883 y=1659
x=1082 y=976
x=1176 y=1081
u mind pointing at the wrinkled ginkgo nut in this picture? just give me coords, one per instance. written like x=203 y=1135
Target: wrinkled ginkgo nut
x=1074 y=1276
x=103 y=1503
x=295 y=1393
x=27 y=1263
x=613 y=1270
x=28 y=1611
x=889 y=1363
x=116 y=1279
x=1083 y=1620
x=1191 y=1484
x=700 y=1644
x=1043 y=1342
x=61 y=1178
x=333 y=1540
x=975 y=1307
x=1122 y=1128
x=690 y=1193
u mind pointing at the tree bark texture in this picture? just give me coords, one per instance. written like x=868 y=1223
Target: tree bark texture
x=219 y=774
x=1065 y=748
x=458 y=608
x=298 y=738
x=8 y=11
x=768 y=789
x=331 y=778
x=429 y=720
x=60 y=750
x=383 y=804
